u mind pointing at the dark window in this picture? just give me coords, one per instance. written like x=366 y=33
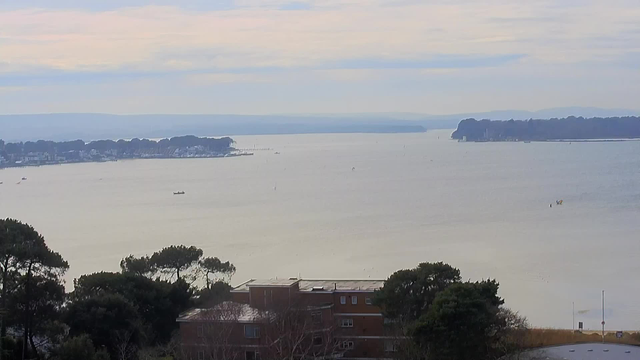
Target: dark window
x=252 y=355
x=317 y=340
x=391 y=346
x=347 y=345
x=251 y=331
x=316 y=317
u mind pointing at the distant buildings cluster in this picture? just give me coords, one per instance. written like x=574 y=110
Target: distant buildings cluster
x=50 y=153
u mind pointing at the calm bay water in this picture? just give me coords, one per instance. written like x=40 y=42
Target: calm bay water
x=482 y=207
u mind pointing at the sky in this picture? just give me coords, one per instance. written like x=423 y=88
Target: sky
x=317 y=56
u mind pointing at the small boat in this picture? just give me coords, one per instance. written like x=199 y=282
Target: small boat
x=24 y=178
x=527 y=142
x=559 y=202
x=276 y=153
x=179 y=193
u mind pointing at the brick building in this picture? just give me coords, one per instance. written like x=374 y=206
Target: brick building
x=337 y=317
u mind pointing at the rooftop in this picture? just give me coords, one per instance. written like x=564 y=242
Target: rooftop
x=315 y=285
x=272 y=282
x=226 y=311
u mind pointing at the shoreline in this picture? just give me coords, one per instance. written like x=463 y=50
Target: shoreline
x=124 y=159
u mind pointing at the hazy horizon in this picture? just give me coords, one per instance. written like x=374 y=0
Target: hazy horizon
x=96 y=126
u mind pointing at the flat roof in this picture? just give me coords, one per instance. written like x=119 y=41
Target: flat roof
x=320 y=285
x=227 y=311
x=341 y=285
x=272 y=282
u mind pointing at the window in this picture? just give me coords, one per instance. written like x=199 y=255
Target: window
x=252 y=355
x=200 y=355
x=346 y=323
x=354 y=300
x=368 y=301
x=343 y=300
x=388 y=321
x=317 y=340
x=347 y=345
x=200 y=331
x=316 y=317
x=251 y=331
x=391 y=346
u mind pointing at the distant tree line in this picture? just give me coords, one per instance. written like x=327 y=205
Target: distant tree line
x=120 y=146
x=553 y=129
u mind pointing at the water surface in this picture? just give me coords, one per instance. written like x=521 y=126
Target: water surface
x=482 y=207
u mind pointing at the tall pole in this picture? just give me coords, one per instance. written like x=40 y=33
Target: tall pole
x=573 y=315
x=603 y=316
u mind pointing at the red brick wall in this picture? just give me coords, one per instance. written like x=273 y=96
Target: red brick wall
x=360 y=307
x=269 y=297
x=362 y=326
x=190 y=336
x=316 y=298
x=366 y=348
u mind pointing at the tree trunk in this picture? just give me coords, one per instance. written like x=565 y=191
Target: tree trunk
x=5 y=275
x=33 y=346
x=27 y=312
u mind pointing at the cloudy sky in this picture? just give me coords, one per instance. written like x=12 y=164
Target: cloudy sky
x=309 y=56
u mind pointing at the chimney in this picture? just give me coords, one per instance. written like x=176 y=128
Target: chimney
x=335 y=286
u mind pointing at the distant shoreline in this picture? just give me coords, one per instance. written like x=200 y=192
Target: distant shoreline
x=42 y=153
x=556 y=140
x=559 y=130
x=125 y=159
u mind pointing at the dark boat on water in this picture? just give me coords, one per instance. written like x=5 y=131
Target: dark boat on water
x=179 y=193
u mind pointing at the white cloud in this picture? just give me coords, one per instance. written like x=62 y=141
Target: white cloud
x=283 y=59
x=256 y=35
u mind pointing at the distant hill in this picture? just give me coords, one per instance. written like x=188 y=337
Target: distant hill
x=575 y=128
x=60 y=127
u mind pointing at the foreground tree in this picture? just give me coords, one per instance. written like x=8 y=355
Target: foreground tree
x=214 y=267
x=176 y=260
x=158 y=303
x=463 y=323
x=109 y=320
x=141 y=266
x=513 y=338
x=213 y=295
x=46 y=329
x=31 y=279
x=77 y=348
x=408 y=294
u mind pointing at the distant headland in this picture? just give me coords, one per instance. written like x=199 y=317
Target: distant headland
x=569 y=128
x=41 y=152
